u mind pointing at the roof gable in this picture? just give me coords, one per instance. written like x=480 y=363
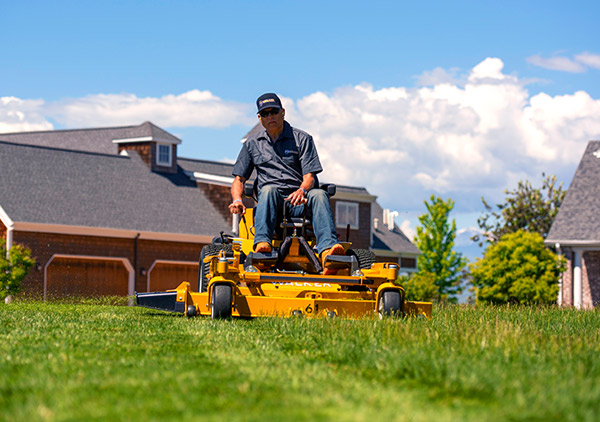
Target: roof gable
x=99 y=140
x=578 y=219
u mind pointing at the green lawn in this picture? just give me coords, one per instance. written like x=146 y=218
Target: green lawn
x=66 y=362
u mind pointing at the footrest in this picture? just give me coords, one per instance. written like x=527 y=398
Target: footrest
x=340 y=261
x=261 y=258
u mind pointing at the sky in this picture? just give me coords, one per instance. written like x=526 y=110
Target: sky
x=456 y=99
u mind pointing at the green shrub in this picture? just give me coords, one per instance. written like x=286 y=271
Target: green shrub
x=419 y=286
x=518 y=269
x=14 y=269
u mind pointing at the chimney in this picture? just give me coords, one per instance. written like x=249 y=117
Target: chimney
x=390 y=219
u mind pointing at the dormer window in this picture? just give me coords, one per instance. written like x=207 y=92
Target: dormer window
x=346 y=213
x=163 y=154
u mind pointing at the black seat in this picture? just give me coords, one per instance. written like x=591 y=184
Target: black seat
x=299 y=225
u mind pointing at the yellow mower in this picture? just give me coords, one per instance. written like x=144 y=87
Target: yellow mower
x=234 y=281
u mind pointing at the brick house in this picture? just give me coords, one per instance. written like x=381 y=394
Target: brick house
x=575 y=234
x=115 y=210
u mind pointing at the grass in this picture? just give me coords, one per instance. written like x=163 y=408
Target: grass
x=73 y=362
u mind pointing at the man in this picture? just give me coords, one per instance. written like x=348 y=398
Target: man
x=286 y=163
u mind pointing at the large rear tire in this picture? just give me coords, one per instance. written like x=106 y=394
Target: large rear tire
x=204 y=268
x=221 y=301
x=365 y=257
x=390 y=304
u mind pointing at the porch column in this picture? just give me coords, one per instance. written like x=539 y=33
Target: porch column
x=577 y=290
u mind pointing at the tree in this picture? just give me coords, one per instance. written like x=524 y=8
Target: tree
x=14 y=268
x=517 y=269
x=435 y=239
x=525 y=208
x=419 y=286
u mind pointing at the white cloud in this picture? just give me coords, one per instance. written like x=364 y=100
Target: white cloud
x=17 y=115
x=192 y=108
x=578 y=64
x=459 y=141
x=462 y=140
x=589 y=59
x=564 y=64
x=437 y=76
x=407 y=229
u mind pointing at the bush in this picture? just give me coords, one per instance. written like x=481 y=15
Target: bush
x=518 y=269
x=14 y=269
x=419 y=286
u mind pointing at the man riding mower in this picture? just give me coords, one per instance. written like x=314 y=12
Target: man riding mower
x=236 y=281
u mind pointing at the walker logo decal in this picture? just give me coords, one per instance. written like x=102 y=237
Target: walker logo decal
x=268 y=100
x=289 y=283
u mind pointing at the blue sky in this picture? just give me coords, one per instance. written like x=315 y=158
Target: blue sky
x=458 y=99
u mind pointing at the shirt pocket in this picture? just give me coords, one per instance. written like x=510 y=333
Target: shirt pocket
x=260 y=157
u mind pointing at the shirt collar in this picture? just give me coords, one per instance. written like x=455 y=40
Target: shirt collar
x=288 y=132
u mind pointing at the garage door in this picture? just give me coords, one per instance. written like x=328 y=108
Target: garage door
x=86 y=277
x=169 y=275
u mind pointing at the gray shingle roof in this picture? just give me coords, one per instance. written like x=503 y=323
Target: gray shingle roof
x=206 y=166
x=90 y=140
x=578 y=218
x=58 y=186
x=390 y=240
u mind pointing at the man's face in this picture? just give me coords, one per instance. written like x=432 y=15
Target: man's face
x=272 y=119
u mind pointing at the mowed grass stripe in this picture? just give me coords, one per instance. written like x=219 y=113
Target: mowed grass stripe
x=73 y=362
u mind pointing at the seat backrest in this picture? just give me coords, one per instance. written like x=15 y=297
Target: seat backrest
x=302 y=225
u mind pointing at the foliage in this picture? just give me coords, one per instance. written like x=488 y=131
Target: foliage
x=14 y=269
x=62 y=362
x=435 y=239
x=518 y=269
x=419 y=286
x=525 y=208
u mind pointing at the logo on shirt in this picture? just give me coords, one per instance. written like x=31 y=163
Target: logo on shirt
x=290 y=151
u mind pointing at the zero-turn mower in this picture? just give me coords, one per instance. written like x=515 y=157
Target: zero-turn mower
x=234 y=281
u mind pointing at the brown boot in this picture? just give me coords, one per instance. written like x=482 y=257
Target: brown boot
x=336 y=249
x=263 y=247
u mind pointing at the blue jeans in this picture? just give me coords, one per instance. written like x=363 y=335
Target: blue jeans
x=269 y=212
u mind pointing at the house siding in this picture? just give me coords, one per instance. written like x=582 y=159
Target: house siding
x=591 y=279
x=2 y=231
x=361 y=238
x=567 y=280
x=44 y=245
x=147 y=152
x=220 y=196
x=142 y=149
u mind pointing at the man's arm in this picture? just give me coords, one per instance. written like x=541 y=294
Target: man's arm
x=298 y=197
x=237 y=189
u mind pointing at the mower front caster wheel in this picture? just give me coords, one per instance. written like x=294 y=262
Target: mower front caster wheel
x=221 y=301
x=190 y=311
x=390 y=304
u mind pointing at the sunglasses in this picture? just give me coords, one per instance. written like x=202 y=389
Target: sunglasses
x=267 y=113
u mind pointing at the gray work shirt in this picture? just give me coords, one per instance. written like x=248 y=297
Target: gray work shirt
x=282 y=163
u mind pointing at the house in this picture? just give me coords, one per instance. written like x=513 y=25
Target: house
x=114 y=210
x=575 y=234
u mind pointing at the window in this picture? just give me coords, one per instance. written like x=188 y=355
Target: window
x=408 y=262
x=163 y=154
x=346 y=213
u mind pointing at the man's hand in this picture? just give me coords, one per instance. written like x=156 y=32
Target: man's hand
x=237 y=207
x=297 y=198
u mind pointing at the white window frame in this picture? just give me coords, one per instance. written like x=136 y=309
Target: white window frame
x=352 y=206
x=158 y=160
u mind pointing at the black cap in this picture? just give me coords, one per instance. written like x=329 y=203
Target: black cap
x=268 y=100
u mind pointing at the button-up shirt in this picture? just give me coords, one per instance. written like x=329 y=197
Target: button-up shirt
x=281 y=163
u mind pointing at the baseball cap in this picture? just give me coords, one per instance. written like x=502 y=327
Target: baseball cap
x=268 y=100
